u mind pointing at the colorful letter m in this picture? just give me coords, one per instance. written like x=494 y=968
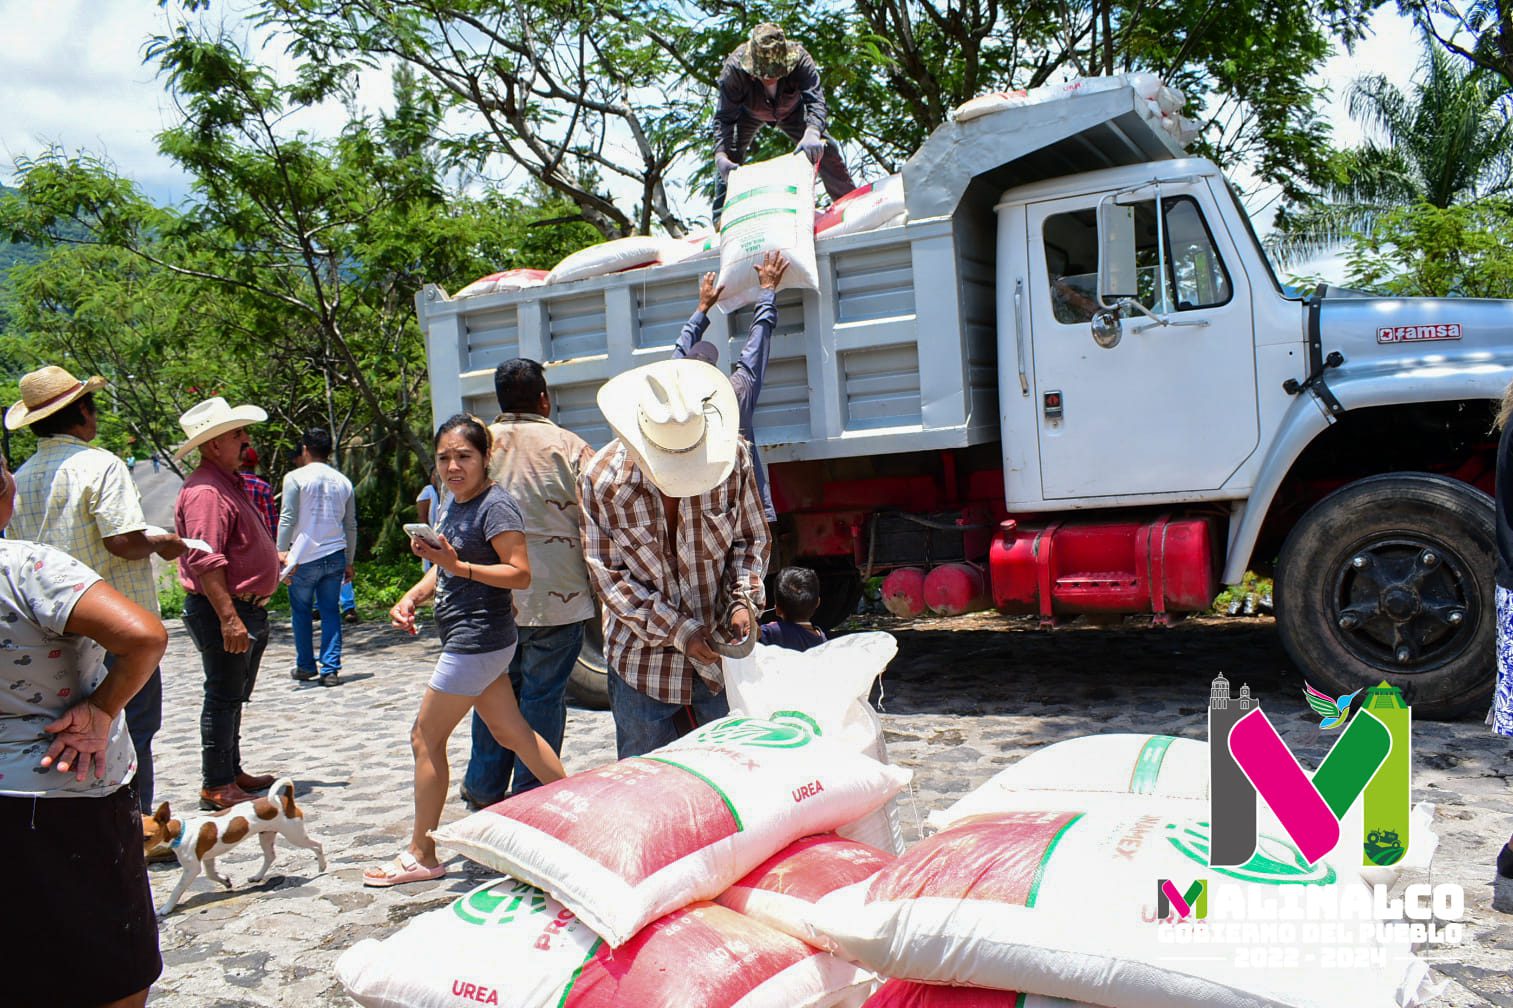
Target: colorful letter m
x=1371 y=756
x=1193 y=903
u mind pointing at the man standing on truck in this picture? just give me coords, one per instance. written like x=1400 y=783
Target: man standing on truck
x=672 y=533
x=750 y=369
x=769 y=81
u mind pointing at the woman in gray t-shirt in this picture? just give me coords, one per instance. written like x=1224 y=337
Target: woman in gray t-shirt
x=481 y=556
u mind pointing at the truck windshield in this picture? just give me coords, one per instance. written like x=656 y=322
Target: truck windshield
x=1255 y=243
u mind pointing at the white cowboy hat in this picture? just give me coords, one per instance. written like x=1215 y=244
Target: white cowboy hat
x=679 y=421
x=212 y=418
x=46 y=391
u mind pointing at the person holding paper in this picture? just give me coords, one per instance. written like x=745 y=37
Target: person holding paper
x=82 y=500
x=317 y=541
x=225 y=610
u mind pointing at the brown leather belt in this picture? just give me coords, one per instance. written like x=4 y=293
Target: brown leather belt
x=257 y=600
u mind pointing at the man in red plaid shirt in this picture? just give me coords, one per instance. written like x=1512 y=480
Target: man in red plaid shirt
x=259 y=489
x=673 y=528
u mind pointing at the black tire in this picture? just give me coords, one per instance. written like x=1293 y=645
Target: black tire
x=588 y=683
x=1390 y=578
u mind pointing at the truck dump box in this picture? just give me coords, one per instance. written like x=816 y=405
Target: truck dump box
x=897 y=350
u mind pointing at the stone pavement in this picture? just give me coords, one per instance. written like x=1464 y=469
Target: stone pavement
x=963 y=699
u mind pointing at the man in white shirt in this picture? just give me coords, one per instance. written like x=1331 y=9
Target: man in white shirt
x=317 y=532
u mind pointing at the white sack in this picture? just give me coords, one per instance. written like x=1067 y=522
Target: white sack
x=768 y=205
x=508 y=280
x=867 y=207
x=619 y=254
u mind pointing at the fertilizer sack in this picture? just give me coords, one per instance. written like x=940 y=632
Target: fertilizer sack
x=832 y=684
x=768 y=206
x=508 y=280
x=619 y=254
x=908 y=994
x=626 y=843
x=781 y=892
x=1068 y=903
x=1133 y=770
x=864 y=208
x=509 y=944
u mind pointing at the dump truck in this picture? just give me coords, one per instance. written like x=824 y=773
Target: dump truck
x=1070 y=383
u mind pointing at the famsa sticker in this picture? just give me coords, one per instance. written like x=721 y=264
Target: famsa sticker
x=1415 y=333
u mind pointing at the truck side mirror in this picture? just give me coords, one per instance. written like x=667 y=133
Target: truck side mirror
x=1117 y=277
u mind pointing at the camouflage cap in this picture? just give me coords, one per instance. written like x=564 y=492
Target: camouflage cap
x=769 y=53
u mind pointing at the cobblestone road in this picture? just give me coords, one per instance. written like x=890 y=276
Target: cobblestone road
x=963 y=699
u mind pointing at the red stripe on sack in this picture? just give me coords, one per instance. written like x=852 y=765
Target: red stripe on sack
x=991 y=857
x=909 y=994
x=634 y=817
x=814 y=867
x=696 y=957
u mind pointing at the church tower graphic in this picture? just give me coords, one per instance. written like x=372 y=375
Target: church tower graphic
x=1232 y=799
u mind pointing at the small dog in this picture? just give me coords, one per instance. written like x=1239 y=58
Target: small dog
x=199 y=840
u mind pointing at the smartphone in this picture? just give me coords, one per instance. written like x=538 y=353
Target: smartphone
x=426 y=534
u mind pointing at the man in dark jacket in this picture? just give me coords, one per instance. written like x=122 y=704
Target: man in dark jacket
x=771 y=81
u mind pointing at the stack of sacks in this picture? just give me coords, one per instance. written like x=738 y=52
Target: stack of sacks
x=831 y=684
x=509 y=280
x=874 y=205
x=769 y=206
x=509 y=944
x=618 y=255
x=705 y=242
x=1162 y=103
x=1044 y=880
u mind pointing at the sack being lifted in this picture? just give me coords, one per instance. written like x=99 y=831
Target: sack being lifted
x=768 y=205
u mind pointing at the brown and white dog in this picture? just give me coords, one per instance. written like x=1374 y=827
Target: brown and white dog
x=199 y=840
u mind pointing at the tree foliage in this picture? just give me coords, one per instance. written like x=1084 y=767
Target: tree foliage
x=598 y=99
x=1480 y=31
x=1429 y=251
x=1448 y=141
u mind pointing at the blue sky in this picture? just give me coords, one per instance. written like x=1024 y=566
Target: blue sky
x=71 y=73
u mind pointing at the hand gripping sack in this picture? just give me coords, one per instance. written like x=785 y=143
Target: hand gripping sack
x=626 y=843
x=781 y=891
x=1064 y=902
x=831 y=683
x=619 y=254
x=508 y=944
x=908 y=994
x=1134 y=770
x=768 y=205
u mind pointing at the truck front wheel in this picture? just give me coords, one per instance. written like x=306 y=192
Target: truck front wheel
x=1391 y=578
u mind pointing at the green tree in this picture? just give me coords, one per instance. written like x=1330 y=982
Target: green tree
x=1447 y=142
x=1480 y=31
x=594 y=97
x=1429 y=251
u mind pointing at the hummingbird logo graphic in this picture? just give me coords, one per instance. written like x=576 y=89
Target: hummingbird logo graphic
x=1334 y=711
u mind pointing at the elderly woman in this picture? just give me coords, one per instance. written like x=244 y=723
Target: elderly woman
x=79 y=928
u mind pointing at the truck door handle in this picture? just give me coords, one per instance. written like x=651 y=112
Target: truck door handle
x=1024 y=381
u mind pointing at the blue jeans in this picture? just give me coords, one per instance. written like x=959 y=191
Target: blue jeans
x=317 y=585
x=544 y=658
x=348 y=597
x=144 y=716
x=643 y=724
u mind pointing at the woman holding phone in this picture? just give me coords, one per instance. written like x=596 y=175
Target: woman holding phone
x=479 y=555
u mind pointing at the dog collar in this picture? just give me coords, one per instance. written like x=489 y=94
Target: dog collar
x=177 y=840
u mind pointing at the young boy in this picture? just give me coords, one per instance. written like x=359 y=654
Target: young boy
x=798 y=595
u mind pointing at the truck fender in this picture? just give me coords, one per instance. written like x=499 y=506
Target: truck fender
x=1306 y=418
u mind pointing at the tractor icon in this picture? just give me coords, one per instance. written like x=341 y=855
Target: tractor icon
x=1383 y=847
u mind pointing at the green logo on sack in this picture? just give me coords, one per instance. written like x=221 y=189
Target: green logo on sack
x=486 y=907
x=784 y=730
x=1276 y=861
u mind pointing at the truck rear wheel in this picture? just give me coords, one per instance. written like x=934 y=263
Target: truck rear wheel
x=1391 y=578
x=588 y=683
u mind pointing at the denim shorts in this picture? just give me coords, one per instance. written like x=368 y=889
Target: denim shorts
x=470 y=674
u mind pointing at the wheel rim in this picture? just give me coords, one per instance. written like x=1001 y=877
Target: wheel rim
x=1404 y=603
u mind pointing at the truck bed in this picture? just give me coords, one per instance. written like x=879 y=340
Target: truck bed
x=897 y=350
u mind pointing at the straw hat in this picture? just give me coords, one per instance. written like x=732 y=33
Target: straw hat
x=46 y=391
x=679 y=420
x=211 y=419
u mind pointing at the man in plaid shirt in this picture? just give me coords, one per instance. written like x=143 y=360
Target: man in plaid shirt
x=672 y=528
x=259 y=489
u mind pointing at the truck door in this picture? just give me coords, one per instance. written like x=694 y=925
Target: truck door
x=1168 y=409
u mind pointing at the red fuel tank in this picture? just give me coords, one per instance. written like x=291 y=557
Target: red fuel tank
x=1062 y=569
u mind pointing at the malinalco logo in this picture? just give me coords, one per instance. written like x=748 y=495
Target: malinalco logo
x=1247 y=756
x=1191 y=904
